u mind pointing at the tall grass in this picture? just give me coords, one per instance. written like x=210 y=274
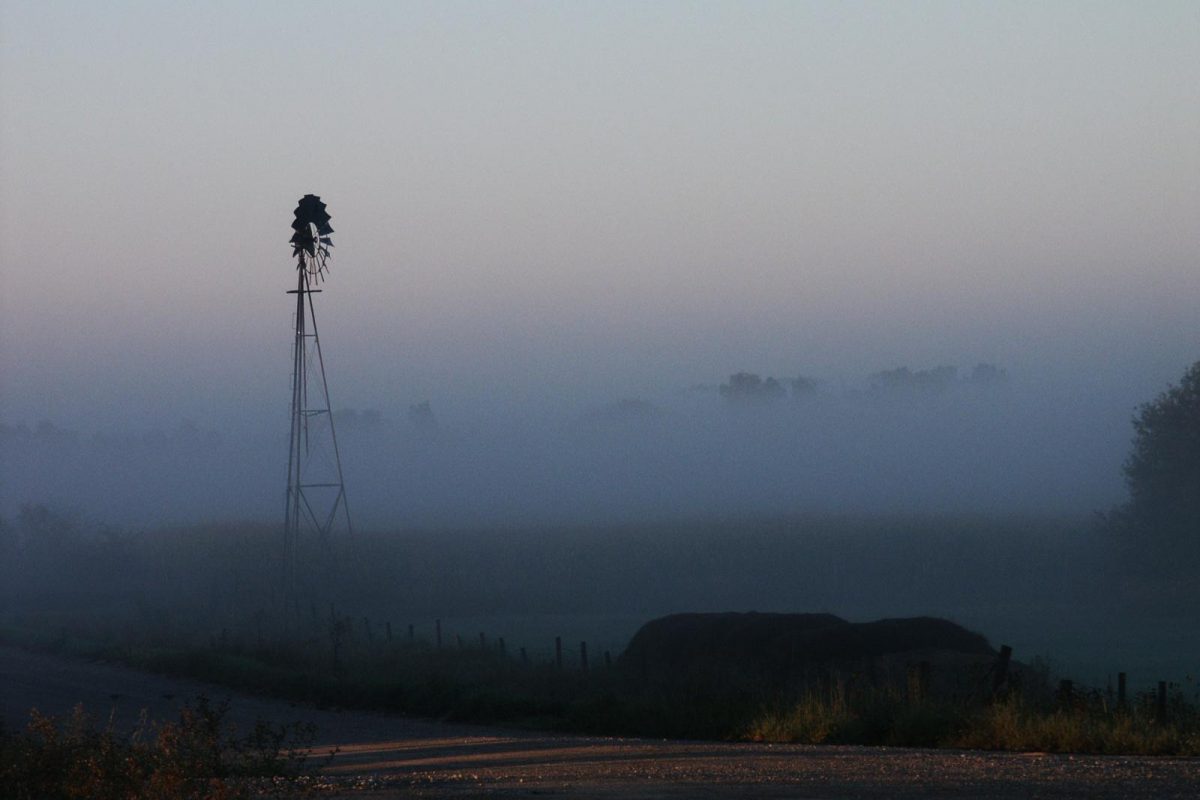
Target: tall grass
x=1014 y=725
x=200 y=756
x=1019 y=722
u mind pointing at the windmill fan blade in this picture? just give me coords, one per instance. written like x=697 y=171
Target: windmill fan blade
x=312 y=209
x=312 y=228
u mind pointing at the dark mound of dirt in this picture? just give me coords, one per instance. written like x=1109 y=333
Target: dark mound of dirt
x=775 y=647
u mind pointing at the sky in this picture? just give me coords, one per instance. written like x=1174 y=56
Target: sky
x=556 y=205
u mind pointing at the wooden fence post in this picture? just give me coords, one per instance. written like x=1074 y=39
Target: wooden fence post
x=1066 y=693
x=918 y=681
x=1000 y=676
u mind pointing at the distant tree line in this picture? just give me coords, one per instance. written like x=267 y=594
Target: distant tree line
x=937 y=379
x=745 y=387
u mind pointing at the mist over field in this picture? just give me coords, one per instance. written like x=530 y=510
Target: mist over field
x=968 y=441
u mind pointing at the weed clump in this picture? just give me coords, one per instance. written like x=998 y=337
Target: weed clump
x=200 y=756
x=1018 y=722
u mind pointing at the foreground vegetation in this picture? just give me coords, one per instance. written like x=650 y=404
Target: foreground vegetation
x=200 y=756
x=1021 y=722
x=203 y=757
x=330 y=667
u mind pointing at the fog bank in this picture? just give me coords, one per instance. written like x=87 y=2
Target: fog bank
x=933 y=440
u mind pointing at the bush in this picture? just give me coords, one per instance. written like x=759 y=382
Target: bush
x=199 y=757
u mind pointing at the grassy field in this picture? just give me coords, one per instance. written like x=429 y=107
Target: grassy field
x=204 y=602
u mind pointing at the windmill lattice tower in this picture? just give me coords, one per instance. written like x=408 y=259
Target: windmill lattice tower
x=316 y=492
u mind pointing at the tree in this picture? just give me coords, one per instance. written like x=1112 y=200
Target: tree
x=1163 y=476
x=746 y=386
x=1163 y=471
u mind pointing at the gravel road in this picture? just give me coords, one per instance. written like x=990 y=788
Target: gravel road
x=384 y=756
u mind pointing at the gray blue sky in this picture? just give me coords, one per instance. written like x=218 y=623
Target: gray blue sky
x=583 y=201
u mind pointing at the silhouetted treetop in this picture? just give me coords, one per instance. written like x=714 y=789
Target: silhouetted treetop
x=1163 y=471
x=746 y=387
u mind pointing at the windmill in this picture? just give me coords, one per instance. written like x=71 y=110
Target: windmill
x=316 y=493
